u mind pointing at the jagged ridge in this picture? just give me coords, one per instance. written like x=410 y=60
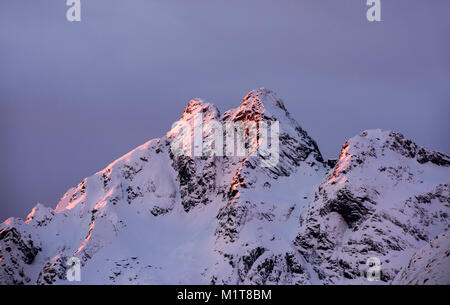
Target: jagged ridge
x=156 y=217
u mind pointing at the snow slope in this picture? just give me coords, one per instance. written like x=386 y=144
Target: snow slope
x=155 y=217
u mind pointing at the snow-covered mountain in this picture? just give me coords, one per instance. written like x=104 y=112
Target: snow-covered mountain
x=155 y=217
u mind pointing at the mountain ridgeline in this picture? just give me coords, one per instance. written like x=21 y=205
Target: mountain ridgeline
x=377 y=214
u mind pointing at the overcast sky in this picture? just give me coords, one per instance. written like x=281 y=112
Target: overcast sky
x=76 y=96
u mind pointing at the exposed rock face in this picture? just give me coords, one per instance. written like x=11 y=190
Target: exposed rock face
x=18 y=250
x=54 y=270
x=156 y=216
x=196 y=175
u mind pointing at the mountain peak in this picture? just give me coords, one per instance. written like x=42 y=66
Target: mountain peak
x=39 y=214
x=259 y=104
x=265 y=96
x=196 y=106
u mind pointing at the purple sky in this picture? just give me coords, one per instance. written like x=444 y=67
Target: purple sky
x=75 y=96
